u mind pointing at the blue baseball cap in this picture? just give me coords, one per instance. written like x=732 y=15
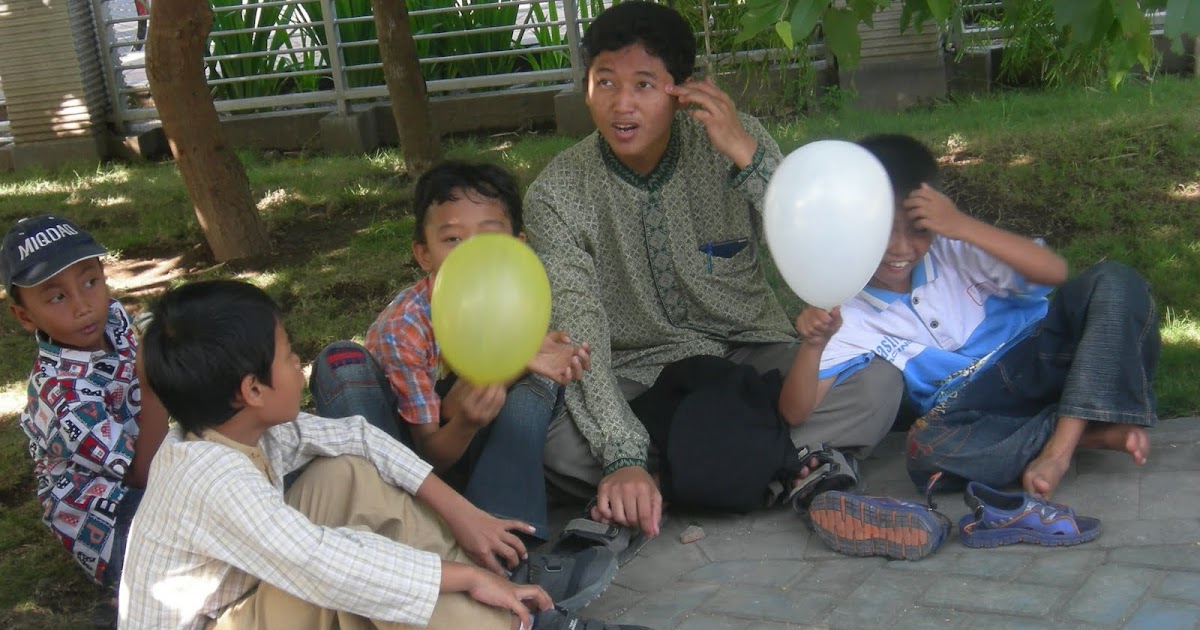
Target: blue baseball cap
x=38 y=248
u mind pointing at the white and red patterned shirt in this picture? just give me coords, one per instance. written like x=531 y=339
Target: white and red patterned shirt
x=82 y=423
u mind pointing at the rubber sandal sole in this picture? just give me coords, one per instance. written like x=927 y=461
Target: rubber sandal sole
x=1089 y=530
x=851 y=525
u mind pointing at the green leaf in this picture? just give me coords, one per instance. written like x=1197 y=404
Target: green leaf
x=755 y=22
x=864 y=10
x=1087 y=19
x=805 y=17
x=842 y=38
x=941 y=9
x=1129 y=15
x=1183 y=17
x=784 y=30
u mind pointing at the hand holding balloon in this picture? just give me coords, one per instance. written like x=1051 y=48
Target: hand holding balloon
x=827 y=216
x=477 y=406
x=817 y=326
x=490 y=308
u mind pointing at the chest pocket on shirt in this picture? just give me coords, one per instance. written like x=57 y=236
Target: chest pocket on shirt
x=726 y=257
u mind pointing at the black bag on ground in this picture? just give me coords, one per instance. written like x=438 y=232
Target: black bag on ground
x=717 y=427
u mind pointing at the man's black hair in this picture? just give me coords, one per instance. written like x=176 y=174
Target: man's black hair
x=204 y=338
x=661 y=30
x=14 y=294
x=908 y=162
x=447 y=180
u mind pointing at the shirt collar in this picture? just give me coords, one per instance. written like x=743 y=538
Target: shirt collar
x=256 y=455
x=661 y=174
x=880 y=299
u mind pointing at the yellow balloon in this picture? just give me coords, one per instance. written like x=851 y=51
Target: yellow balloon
x=490 y=308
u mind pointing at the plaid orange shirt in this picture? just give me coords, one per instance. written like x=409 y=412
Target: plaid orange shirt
x=401 y=339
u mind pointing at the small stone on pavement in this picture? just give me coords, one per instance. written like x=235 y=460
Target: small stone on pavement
x=691 y=534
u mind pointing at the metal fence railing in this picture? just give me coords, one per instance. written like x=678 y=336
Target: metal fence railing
x=5 y=127
x=323 y=54
x=981 y=23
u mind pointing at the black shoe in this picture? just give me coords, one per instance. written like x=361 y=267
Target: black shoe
x=572 y=580
x=559 y=619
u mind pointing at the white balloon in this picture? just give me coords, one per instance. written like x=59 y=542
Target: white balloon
x=827 y=217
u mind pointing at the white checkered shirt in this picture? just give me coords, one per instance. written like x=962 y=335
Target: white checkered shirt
x=213 y=523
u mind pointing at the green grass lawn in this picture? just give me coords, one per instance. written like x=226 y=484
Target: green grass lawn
x=1099 y=175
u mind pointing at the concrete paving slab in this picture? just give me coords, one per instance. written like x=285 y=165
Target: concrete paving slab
x=1109 y=594
x=765 y=571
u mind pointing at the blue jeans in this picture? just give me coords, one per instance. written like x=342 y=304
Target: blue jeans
x=347 y=381
x=1092 y=357
x=126 y=509
x=503 y=462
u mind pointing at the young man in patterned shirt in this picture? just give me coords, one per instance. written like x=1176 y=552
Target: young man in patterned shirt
x=650 y=232
x=92 y=428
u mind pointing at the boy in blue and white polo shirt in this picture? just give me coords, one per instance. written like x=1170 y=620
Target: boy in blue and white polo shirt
x=1009 y=380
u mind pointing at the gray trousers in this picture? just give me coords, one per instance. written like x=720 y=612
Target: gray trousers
x=854 y=416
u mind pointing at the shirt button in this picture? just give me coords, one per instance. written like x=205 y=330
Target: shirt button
x=916 y=300
x=933 y=324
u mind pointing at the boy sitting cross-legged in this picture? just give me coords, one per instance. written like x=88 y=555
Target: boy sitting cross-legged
x=92 y=428
x=491 y=438
x=219 y=544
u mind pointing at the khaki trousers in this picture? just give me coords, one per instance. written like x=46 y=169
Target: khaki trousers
x=348 y=492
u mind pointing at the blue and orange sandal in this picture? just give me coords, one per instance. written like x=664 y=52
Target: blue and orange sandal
x=1008 y=518
x=877 y=526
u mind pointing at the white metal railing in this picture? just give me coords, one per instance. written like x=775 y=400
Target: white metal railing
x=275 y=54
x=981 y=23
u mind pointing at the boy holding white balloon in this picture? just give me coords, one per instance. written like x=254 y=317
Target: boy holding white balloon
x=650 y=232
x=491 y=433
x=1009 y=380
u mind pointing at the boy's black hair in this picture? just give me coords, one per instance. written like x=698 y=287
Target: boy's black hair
x=908 y=162
x=445 y=181
x=204 y=338
x=14 y=294
x=661 y=30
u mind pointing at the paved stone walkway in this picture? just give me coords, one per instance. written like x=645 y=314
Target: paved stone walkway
x=766 y=571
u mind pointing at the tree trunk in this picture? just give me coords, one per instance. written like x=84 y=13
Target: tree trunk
x=419 y=142
x=215 y=179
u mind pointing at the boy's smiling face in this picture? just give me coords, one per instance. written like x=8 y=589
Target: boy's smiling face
x=71 y=307
x=907 y=245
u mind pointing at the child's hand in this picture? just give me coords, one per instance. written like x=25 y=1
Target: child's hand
x=490 y=541
x=476 y=405
x=498 y=592
x=929 y=209
x=817 y=326
x=560 y=360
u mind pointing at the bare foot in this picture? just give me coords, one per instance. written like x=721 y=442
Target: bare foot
x=1043 y=474
x=1129 y=438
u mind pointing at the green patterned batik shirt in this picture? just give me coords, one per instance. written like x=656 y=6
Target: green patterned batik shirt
x=630 y=271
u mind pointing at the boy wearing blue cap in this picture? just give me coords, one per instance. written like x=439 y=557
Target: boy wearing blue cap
x=92 y=429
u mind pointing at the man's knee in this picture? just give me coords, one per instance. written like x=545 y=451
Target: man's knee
x=568 y=458
x=877 y=392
